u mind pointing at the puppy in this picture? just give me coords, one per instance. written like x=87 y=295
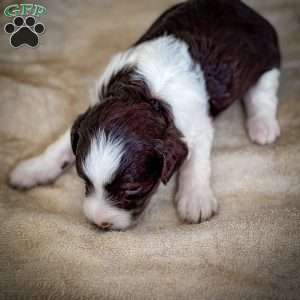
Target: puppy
x=154 y=108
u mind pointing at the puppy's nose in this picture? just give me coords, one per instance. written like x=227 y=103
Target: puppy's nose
x=105 y=225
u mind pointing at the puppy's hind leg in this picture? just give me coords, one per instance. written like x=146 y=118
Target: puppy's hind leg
x=45 y=167
x=261 y=107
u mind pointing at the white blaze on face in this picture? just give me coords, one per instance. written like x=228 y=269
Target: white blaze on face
x=100 y=165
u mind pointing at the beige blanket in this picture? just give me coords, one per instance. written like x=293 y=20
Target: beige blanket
x=251 y=250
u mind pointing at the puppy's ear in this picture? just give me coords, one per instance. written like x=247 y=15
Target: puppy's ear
x=75 y=131
x=174 y=152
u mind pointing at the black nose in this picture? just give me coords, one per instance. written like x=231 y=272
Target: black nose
x=105 y=225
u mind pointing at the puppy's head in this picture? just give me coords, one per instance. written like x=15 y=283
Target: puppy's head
x=122 y=154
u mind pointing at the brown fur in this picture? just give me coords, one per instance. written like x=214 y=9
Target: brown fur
x=233 y=44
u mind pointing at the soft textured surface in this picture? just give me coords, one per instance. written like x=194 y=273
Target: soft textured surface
x=251 y=250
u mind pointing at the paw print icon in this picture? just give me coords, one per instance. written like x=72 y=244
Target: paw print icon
x=24 y=31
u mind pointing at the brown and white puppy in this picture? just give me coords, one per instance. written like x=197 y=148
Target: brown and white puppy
x=152 y=115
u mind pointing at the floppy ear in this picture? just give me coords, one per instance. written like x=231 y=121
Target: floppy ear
x=75 y=132
x=174 y=153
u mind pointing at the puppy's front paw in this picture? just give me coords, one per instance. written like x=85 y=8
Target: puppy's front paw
x=263 y=129
x=197 y=205
x=27 y=174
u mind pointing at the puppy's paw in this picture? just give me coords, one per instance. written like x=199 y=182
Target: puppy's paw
x=197 y=205
x=263 y=129
x=27 y=174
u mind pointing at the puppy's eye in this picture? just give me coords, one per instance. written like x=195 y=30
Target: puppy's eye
x=132 y=189
x=134 y=192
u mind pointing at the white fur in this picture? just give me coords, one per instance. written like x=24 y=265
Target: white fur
x=99 y=211
x=117 y=62
x=169 y=70
x=261 y=105
x=103 y=159
x=101 y=163
x=173 y=77
x=45 y=167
